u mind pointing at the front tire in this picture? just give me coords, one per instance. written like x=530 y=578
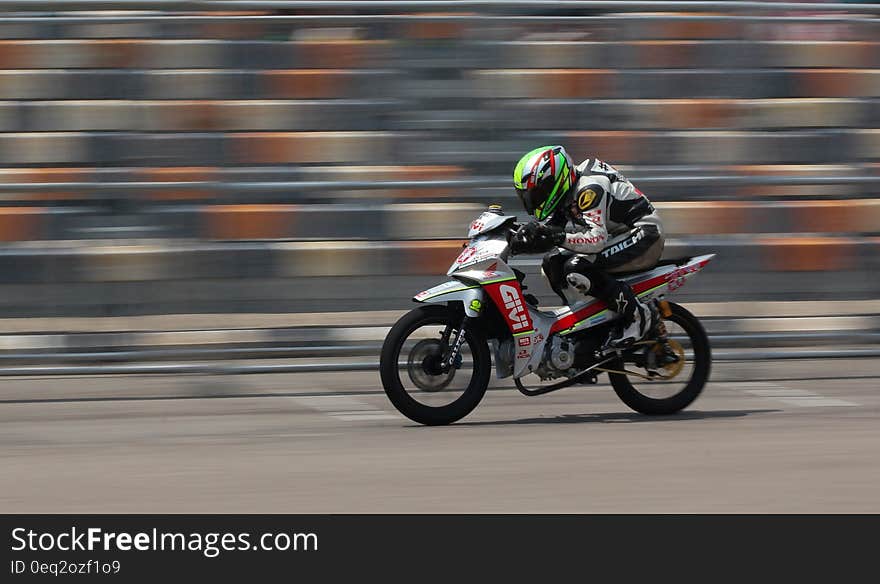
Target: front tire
x=390 y=370
x=702 y=359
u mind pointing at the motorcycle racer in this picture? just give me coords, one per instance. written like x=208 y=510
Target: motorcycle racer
x=597 y=223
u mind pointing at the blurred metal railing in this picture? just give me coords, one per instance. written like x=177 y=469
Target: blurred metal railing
x=444 y=5
x=622 y=18
x=511 y=11
x=283 y=186
x=227 y=368
x=286 y=359
x=266 y=187
x=778 y=340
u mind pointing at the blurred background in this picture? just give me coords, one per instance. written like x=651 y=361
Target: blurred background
x=197 y=191
x=251 y=166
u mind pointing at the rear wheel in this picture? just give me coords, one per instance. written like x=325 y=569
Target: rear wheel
x=412 y=372
x=677 y=384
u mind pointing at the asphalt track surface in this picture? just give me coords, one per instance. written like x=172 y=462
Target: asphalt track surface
x=792 y=436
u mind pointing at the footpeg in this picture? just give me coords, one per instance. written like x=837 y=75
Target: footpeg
x=589 y=380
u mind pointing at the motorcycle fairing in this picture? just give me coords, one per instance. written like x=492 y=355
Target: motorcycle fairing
x=487 y=221
x=471 y=296
x=476 y=251
x=483 y=273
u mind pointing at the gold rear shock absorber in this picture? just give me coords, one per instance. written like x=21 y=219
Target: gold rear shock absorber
x=665 y=312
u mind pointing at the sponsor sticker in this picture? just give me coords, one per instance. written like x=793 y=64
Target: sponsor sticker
x=476 y=305
x=491 y=271
x=577 y=240
x=518 y=317
x=626 y=243
x=507 y=297
x=677 y=277
x=525 y=341
x=467 y=254
x=586 y=198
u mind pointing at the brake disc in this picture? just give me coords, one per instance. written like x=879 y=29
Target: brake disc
x=423 y=366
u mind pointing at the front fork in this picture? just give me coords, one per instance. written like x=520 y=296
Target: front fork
x=453 y=358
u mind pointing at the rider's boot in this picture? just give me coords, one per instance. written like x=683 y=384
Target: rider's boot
x=636 y=318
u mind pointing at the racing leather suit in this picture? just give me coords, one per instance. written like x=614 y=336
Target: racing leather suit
x=609 y=227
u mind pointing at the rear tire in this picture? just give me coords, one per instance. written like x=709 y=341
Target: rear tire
x=643 y=404
x=390 y=372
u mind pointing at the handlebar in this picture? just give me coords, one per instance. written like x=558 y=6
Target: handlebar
x=514 y=230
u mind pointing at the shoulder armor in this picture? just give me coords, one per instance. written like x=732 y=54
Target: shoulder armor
x=588 y=196
x=603 y=168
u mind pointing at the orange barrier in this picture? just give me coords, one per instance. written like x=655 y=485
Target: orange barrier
x=688 y=29
x=862 y=216
x=427 y=29
x=286 y=147
x=22 y=223
x=547 y=83
x=705 y=217
x=185 y=115
x=342 y=53
x=622 y=146
x=839 y=82
x=179 y=54
x=431 y=257
x=807 y=254
x=47 y=175
x=248 y=221
x=307 y=83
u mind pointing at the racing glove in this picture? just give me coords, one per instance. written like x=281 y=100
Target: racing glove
x=535 y=237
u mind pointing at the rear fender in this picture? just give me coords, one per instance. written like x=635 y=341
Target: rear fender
x=670 y=278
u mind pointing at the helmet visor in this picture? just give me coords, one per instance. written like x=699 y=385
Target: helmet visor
x=534 y=199
x=526 y=200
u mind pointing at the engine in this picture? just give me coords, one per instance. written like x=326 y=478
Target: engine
x=561 y=354
x=564 y=357
x=559 y=357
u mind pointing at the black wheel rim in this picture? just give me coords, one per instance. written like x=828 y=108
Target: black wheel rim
x=416 y=361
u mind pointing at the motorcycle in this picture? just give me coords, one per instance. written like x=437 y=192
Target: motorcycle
x=436 y=361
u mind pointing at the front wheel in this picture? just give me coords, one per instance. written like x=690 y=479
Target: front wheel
x=680 y=383
x=411 y=366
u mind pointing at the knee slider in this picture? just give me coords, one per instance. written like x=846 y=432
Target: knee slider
x=580 y=282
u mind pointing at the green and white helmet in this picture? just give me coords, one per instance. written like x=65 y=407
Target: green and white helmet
x=542 y=178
